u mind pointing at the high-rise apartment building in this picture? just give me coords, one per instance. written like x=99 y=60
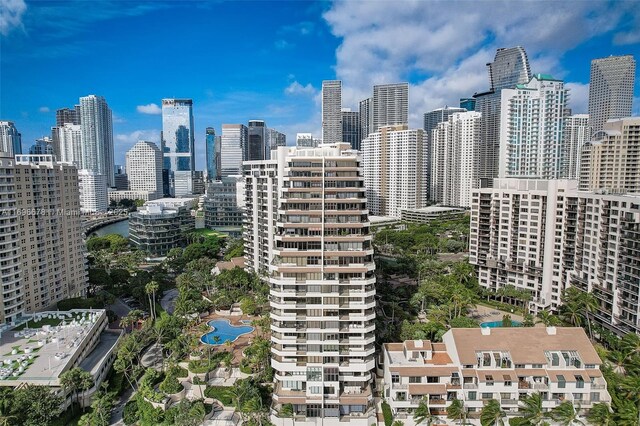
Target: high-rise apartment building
x=144 y=169
x=366 y=117
x=612 y=163
x=390 y=105
x=97 y=137
x=509 y=68
x=50 y=230
x=212 y=153
x=257 y=144
x=43 y=146
x=178 y=144
x=431 y=120
x=331 y=111
x=274 y=140
x=306 y=140
x=451 y=156
x=531 y=130
x=610 y=90
x=322 y=288
x=544 y=235
x=64 y=116
x=351 y=128
x=468 y=103
x=395 y=172
x=222 y=209
x=93 y=191
x=575 y=133
x=69 y=144
x=233 y=141
x=12 y=294
x=10 y=138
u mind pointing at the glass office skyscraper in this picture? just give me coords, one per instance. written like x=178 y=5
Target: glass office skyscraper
x=178 y=139
x=212 y=149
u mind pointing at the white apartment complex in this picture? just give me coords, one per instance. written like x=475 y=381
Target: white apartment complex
x=97 y=137
x=395 y=170
x=475 y=365
x=331 y=111
x=452 y=147
x=390 y=105
x=51 y=240
x=144 y=169
x=93 y=192
x=612 y=163
x=10 y=138
x=69 y=138
x=544 y=235
x=322 y=283
x=531 y=129
x=575 y=135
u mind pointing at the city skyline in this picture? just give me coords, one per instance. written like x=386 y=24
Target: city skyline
x=300 y=47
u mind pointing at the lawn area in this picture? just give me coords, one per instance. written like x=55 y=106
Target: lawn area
x=220 y=393
x=208 y=233
x=38 y=324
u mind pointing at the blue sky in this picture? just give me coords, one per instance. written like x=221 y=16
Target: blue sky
x=266 y=60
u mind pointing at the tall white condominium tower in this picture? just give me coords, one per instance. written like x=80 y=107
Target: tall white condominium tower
x=93 y=192
x=509 y=68
x=366 y=117
x=390 y=105
x=613 y=162
x=10 y=138
x=431 y=120
x=452 y=158
x=331 y=111
x=610 y=90
x=306 y=140
x=322 y=290
x=233 y=141
x=69 y=138
x=178 y=144
x=395 y=171
x=531 y=139
x=575 y=134
x=12 y=293
x=144 y=169
x=97 y=137
x=53 y=266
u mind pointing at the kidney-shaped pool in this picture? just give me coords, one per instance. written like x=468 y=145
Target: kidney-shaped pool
x=224 y=331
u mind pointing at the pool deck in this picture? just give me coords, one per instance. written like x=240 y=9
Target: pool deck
x=483 y=313
x=242 y=342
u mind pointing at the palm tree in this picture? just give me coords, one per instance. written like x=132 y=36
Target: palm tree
x=629 y=390
x=423 y=414
x=531 y=409
x=566 y=414
x=457 y=411
x=150 y=288
x=572 y=313
x=492 y=414
x=397 y=423
x=617 y=361
x=600 y=414
x=75 y=380
x=547 y=318
x=589 y=304
x=631 y=344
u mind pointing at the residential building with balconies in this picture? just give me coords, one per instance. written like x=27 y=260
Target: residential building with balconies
x=475 y=365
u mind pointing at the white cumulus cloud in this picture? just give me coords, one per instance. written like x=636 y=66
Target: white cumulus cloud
x=442 y=48
x=151 y=109
x=11 y=12
x=127 y=140
x=578 y=97
x=44 y=109
x=296 y=88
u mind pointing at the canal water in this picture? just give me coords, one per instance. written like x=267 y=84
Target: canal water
x=121 y=228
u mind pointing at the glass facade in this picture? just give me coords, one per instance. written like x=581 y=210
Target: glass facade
x=210 y=145
x=177 y=135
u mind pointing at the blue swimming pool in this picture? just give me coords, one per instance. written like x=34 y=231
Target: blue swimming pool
x=494 y=324
x=225 y=331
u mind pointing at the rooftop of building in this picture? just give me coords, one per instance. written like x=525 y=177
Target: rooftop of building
x=526 y=345
x=43 y=347
x=435 y=209
x=236 y=262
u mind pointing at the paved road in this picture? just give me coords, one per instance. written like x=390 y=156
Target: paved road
x=119 y=308
x=168 y=301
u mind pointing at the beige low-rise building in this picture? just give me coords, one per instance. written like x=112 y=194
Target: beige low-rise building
x=475 y=365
